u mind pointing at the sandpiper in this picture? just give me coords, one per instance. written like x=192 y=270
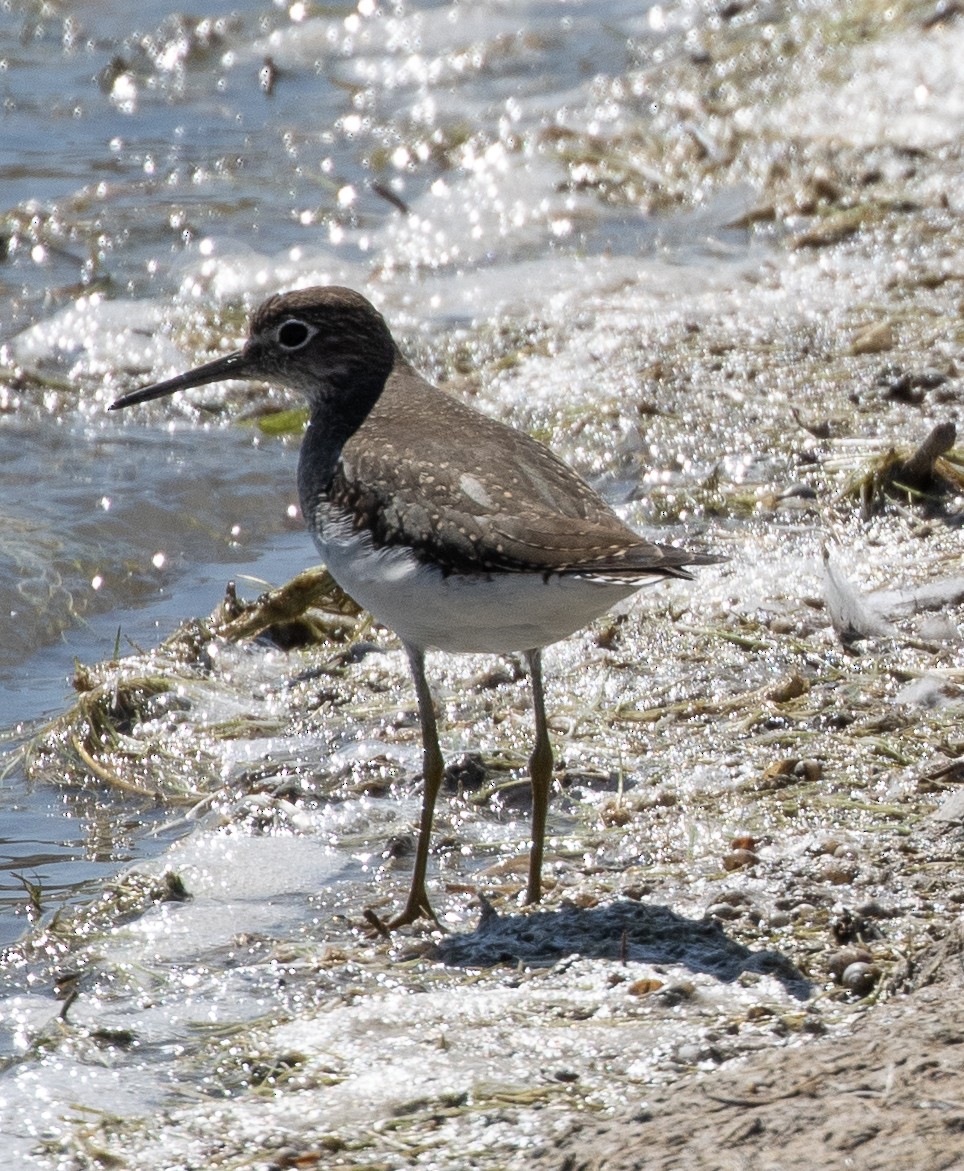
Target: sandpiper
x=456 y=531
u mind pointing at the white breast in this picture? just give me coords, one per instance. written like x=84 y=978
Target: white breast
x=458 y=612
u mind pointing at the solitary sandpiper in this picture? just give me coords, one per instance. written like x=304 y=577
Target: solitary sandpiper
x=454 y=530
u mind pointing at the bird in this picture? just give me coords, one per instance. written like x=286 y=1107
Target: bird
x=454 y=530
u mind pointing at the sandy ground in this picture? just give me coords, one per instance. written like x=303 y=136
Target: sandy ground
x=889 y=1095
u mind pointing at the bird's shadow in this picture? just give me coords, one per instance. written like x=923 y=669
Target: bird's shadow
x=622 y=930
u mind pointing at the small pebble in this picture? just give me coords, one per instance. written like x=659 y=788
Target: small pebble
x=799 y=491
x=723 y=911
x=841 y=960
x=616 y=814
x=780 y=768
x=737 y=859
x=645 y=986
x=674 y=994
x=808 y=770
x=874 y=338
x=782 y=624
x=789 y=688
x=743 y=842
x=838 y=871
x=860 y=979
x=688 y=1053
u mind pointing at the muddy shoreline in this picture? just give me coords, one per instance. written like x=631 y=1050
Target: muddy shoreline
x=772 y=756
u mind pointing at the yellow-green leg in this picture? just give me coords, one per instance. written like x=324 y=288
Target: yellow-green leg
x=540 y=774
x=418 y=905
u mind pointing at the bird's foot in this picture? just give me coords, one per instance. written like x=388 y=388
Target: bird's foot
x=417 y=907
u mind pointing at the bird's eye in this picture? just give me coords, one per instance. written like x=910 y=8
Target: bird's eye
x=293 y=334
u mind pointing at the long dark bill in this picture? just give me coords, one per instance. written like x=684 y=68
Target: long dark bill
x=236 y=365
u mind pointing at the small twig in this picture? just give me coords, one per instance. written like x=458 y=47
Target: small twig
x=918 y=469
x=805 y=1087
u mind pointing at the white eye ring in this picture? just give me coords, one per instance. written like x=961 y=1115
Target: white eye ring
x=294 y=334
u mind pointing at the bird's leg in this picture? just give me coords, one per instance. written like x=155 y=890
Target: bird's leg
x=432 y=768
x=540 y=774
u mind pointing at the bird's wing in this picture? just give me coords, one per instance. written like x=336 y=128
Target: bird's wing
x=500 y=498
